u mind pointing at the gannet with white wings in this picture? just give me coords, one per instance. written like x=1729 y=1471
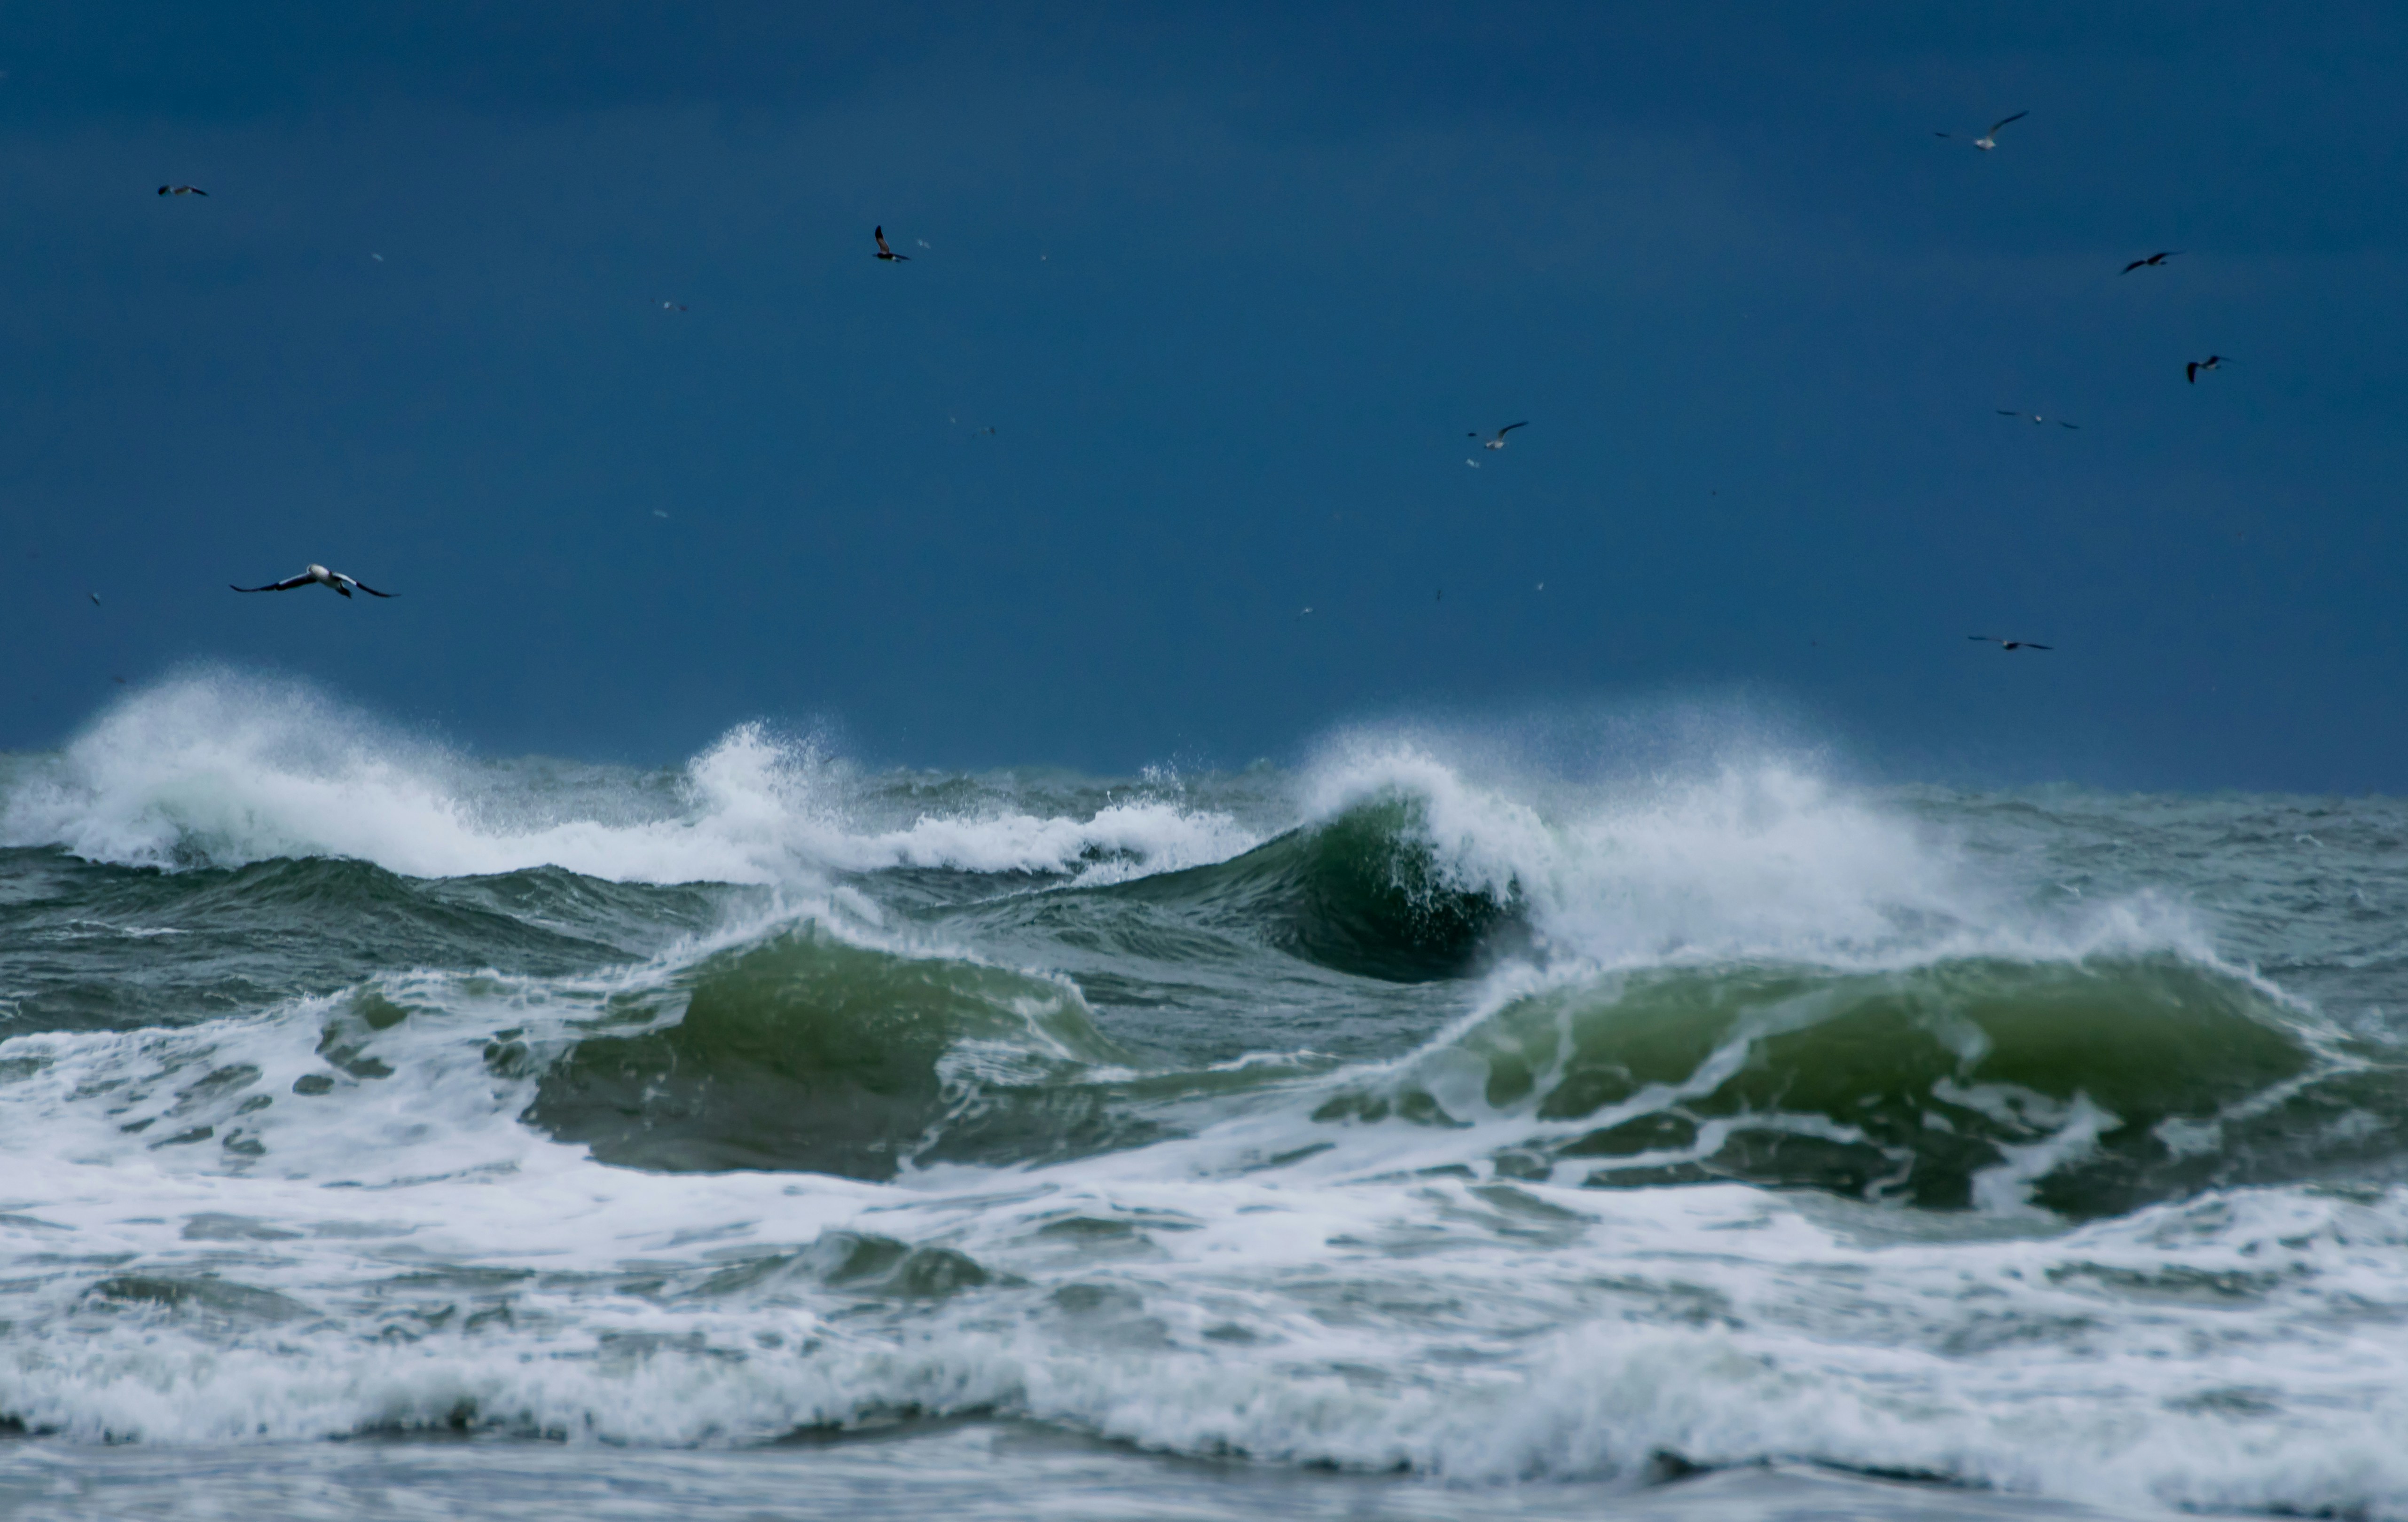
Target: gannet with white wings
x=322 y=577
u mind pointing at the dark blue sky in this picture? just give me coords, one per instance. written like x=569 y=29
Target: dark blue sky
x=1230 y=287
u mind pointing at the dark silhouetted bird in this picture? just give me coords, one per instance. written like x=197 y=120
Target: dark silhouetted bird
x=2008 y=644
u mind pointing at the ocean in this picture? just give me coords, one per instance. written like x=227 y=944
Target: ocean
x=1437 y=1126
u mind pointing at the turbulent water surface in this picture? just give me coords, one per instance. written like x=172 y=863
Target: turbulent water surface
x=386 y=1133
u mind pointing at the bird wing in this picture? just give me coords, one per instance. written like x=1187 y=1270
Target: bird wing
x=365 y=587
x=2003 y=121
x=2028 y=645
x=1985 y=638
x=2190 y=372
x=285 y=585
x=1511 y=427
x=2010 y=412
x=2133 y=265
x=163 y=190
x=2064 y=424
x=880 y=234
x=197 y=189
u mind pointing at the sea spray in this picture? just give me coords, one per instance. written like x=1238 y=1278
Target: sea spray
x=1415 y=1109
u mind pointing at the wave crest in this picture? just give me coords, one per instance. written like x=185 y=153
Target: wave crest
x=2084 y=1088
x=212 y=769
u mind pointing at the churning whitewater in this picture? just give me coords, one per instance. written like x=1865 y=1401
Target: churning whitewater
x=1413 y=1110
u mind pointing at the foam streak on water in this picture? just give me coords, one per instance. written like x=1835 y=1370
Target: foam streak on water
x=1403 y=1113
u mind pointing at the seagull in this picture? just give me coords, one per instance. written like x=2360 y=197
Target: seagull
x=1474 y=464
x=320 y=575
x=922 y=241
x=94 y=596
x=658 y=513
x=1303 y=612
x=2036 y=419
x=182 y=190
x=671 y=307
x=1989 y=140
x=2190 y=371
x=885 y=252
x=2008 y=644
x=2158 y=258
x=378 y=257
x=1499 y=442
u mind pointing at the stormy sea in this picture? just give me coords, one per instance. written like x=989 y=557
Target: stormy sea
x=1433 y=1126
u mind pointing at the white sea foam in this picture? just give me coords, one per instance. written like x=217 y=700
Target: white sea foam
x=406 y=1251
x=2238 y=1351
x=228 y=769
x=1749 y=858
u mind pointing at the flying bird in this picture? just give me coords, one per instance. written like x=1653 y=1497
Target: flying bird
x=378 y=257
x=2034 y=418
x=2008 y=644
x=2158 y=258
x=1497 y=443
x=2190 y=371
x=182 y=190
x=885 y=252
x=94 y=596
x=671 y=307
x=1989 y=140
x=922 y=241
x=322 y=577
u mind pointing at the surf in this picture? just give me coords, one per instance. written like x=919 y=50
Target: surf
x=1425 y=1105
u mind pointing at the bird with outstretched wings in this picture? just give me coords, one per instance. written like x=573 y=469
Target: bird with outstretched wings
x=317 y=576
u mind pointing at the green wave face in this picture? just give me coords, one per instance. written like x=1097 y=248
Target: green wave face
x=1364 y=893
x=219 y=941
x=2085 y=1089
x=806 y=1052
